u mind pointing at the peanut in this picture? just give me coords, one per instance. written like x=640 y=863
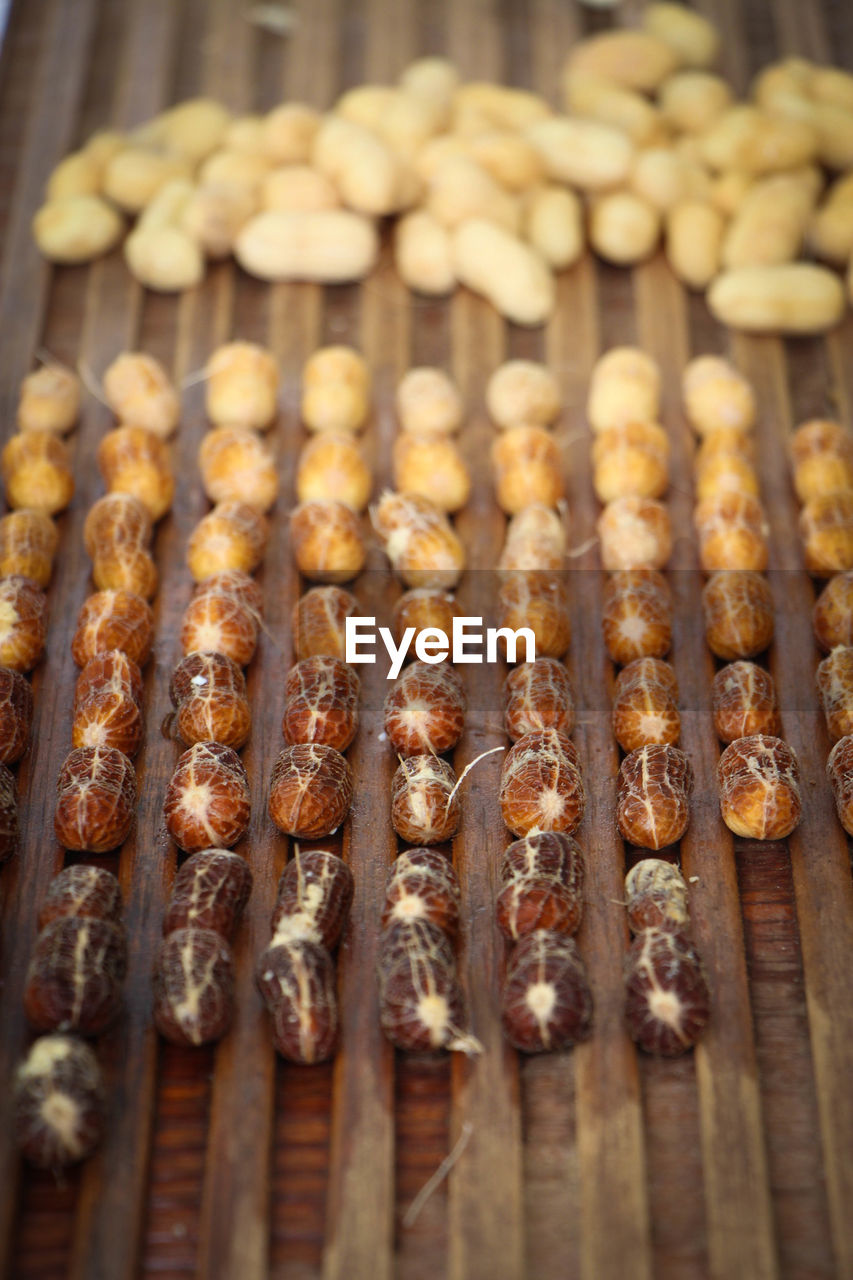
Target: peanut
x=289 y=132
x=831 y=229
x=76 y=228
x=795 y=297
x=635 y=59
x=331 y=246
x=694 y=39
x=583 y=153
x=747 y=137
x=769 y=226
x=369 y=175
x=298 y=188
x=595 y=97
x=423 y=254
x=694 y=236
x=164 y=258
x=553 y=224
x=134 y=175
x=624 y=228
x=691 y=101
x=510 y=274
x=461 y=188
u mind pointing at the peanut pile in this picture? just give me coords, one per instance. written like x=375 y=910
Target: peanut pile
x=495 y=188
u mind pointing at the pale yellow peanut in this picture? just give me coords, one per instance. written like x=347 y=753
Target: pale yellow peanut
x=695 y=40
x=434 y=81
x=77 y=175
x=796 y=297
x=583 y=153
x=77 y=228
x=694 y=237
x=330 y=246
x=298 y=188
x=245 y=169
x=662 y=176
x=833 y=84
x=369 y=175
x=830 y=232
x=164 y=258
x=289 y=132
x=508 y=157
x=510 y=274
x=404 y=120
x=596 y=97
x=554 y=225
x=729 y=190
x=428 y=402
x=625 y=387
x=635 y=59
x=49 y=399
x=771 y=222
x=241 y=386
x=461 y=188
x=335 y=390
x=134 y=175
x=244 y=133
x=779 y=79
x=433 y=154
x=786 y=89
x=166 y=208
x=194 y=128
x=214 y=215
x=104 y=144
x=502 y=106
x=423 y=254
x=523 y=393
x=747 y=137
x=690 y=101
x=623 y=227
x=717 y=397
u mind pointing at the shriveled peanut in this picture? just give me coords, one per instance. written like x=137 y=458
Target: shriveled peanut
x=215 y=214
x=624 y=228
x=460 y=188
x=793 y=297
x=289 y=132
x=164 y=258
x=423 y=254
x=332 y=466
x=49 y=400
x=692 y=100
x=596 y=97
x=508 y=157
x=717 y=397
x=134 y=175
x=635 y=59
x=509 y=273
x=428 y=403
x=141 y=394
x=371 y=178
x=431 y=466
x=746 y=137
x=331 y=246
x=584 y=153
x=625 y=387
x=770 y=223
x=242 y=386
x=77 y=228
x=831 y=229
x=695 y=40
x=245 y=170
x=527 y=467
x=298 y=188
x=523 y=393
x=553 y=223
x=694 y=237
x=335 y=390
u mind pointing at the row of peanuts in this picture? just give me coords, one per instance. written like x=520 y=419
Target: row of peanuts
x=74 y=979
x=491 y=187
x=667 y=1002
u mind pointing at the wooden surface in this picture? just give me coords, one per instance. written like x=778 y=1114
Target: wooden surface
x=735 y=1162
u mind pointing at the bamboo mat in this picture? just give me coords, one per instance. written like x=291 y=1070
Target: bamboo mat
x=735 y=1162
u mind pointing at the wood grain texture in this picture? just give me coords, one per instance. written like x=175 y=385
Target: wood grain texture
x=732 y=1162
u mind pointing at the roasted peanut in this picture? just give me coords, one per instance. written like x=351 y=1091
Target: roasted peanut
x=743 y=698
x=297 y=982
x=832 y=617
x=75 y=975
x=422 y=885
x=546 y=1002
x=96 y=799
x=37 y=472
x=208 y=692
x=59 y=1102
x=541 y=784
x=637 y=616
x=310 y=790
x=207 y=801
x=645 y=706
x=28 y=542
x=23 y=623
x=656 y=897
x=527 y=468
x=630 y=461
x=540 y=602
x=523 y=393
x=16 y=715
x=625 y=387
x=425 y=709
x=634 y=533
x=335 y=390
x=113 y=620
x=839 y=770
x=738 y=608
x=327 y=541
x=218 y=621
x=332 y=468
x=433 y=467
x=667 y=1003
x=759 y=781
x=826 y=529
x=732 y=532
x=193 y=987
x=233 y=536
x=237 y=466
x=210 y=891
x=834 y=678
x=318 y=622
x=419 y=540
x=108 y=719
x=82 y=891
x=314 y=897
x=134 y=460
x=653 y=795
x=321 y=703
